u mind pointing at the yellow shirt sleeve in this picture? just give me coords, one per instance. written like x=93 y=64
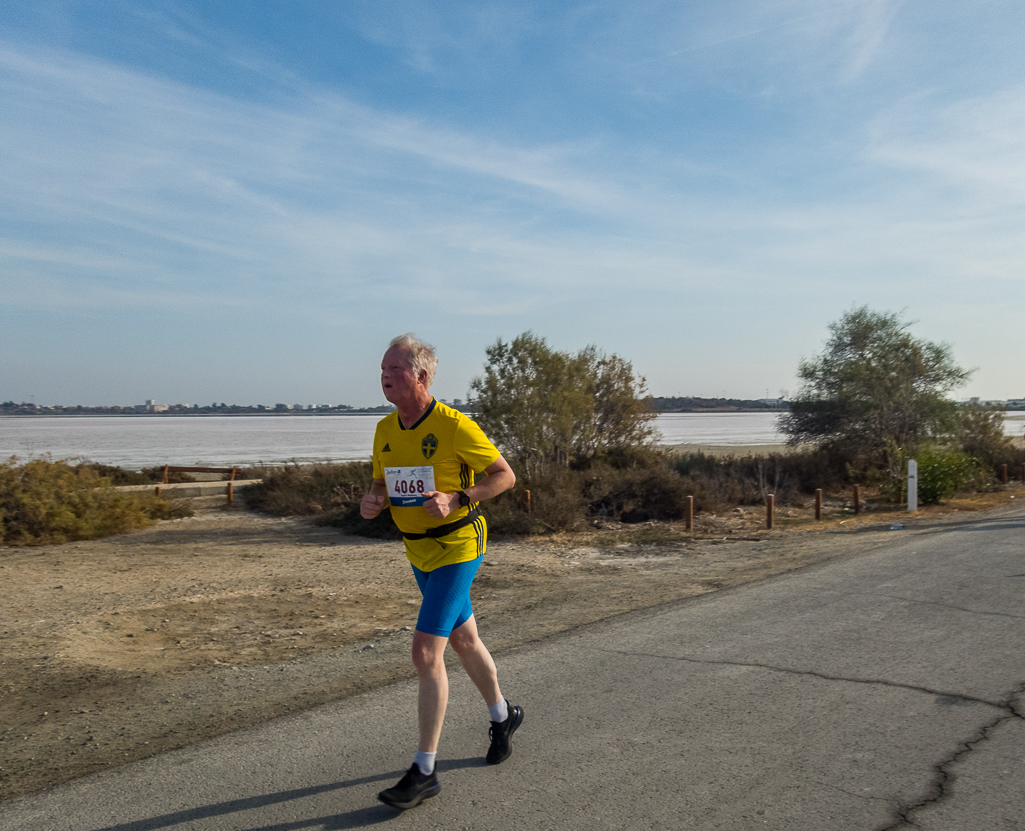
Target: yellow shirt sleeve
x=473 y=448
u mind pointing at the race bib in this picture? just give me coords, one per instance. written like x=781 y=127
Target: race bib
x=407 y=485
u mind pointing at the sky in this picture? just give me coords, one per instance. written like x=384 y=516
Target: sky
x=217 y=201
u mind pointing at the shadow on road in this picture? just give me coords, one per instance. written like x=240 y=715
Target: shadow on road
x=360 y=818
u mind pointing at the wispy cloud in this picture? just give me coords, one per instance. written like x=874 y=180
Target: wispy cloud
x=872 y=25
x=116 y=159
x=974 y=143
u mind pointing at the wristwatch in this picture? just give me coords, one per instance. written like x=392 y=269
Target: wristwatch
x=464 y=500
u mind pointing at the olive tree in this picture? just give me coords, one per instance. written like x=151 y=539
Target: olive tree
x=875 y=393
x=548 y=408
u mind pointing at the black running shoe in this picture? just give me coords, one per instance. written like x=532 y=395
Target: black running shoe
x=412 y=789
x=501 y=736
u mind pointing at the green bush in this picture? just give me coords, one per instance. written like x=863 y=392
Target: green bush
x=944 y=472
x=46 y=502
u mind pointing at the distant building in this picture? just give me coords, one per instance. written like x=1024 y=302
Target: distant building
x=1009 y=404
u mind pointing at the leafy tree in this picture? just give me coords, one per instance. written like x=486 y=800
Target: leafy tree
x=548 y=408
x=875 y=393
x=623 y=414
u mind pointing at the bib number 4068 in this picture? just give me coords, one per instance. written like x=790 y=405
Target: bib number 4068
x=407 y=485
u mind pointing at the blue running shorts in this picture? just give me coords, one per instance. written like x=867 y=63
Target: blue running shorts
x=446 y=592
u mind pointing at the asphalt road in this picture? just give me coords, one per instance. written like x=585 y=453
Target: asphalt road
x=859 y=694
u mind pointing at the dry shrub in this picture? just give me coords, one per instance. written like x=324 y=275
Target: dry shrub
x=635 y=494
x=44 y=502
x=721 y=482
x=310 y=490
x=556 y=504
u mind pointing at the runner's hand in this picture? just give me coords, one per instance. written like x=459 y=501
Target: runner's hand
x=371 y=505
x=439 y=505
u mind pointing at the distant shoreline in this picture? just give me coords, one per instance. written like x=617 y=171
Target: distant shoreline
x=1015 y=415
x=198 y=415
x=378 y=412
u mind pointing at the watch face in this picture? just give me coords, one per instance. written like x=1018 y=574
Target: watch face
x=464 y=500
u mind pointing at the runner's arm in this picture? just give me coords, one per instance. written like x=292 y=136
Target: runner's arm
x=499 y=478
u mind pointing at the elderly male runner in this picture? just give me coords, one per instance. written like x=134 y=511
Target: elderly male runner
x=427 y=458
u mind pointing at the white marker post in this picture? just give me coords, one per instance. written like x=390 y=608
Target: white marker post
x=912 y=485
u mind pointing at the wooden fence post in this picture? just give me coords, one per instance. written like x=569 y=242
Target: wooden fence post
x=526 y=502
x=770 y=507
x=690 y=513
x=857 y=499
x=231 y=492
x=1003 y=474
x=818 y=503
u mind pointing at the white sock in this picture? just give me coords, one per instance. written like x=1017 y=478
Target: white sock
x=425 y=761
x=499 y=712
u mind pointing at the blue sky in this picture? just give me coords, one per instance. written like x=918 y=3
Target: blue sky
x=243 y=202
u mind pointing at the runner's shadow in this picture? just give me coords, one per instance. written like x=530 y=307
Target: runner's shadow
x=360 y=818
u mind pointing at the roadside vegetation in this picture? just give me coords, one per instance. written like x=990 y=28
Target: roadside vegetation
x=44 y=502
x=578 y=429
x=876 y=397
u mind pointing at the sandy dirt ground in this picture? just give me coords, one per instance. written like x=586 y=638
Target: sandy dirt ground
x=121 y=648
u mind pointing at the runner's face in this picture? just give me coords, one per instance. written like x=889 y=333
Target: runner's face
x=398 y=379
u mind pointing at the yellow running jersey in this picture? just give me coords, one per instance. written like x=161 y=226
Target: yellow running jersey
x=443 y=451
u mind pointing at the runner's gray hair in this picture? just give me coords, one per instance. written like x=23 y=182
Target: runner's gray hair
x=421 y=355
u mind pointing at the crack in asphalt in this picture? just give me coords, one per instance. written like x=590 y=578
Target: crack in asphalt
x=940 y=788
x=1002 y=705
x=943 y=778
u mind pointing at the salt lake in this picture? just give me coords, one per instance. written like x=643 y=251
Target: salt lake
x=145 y=441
